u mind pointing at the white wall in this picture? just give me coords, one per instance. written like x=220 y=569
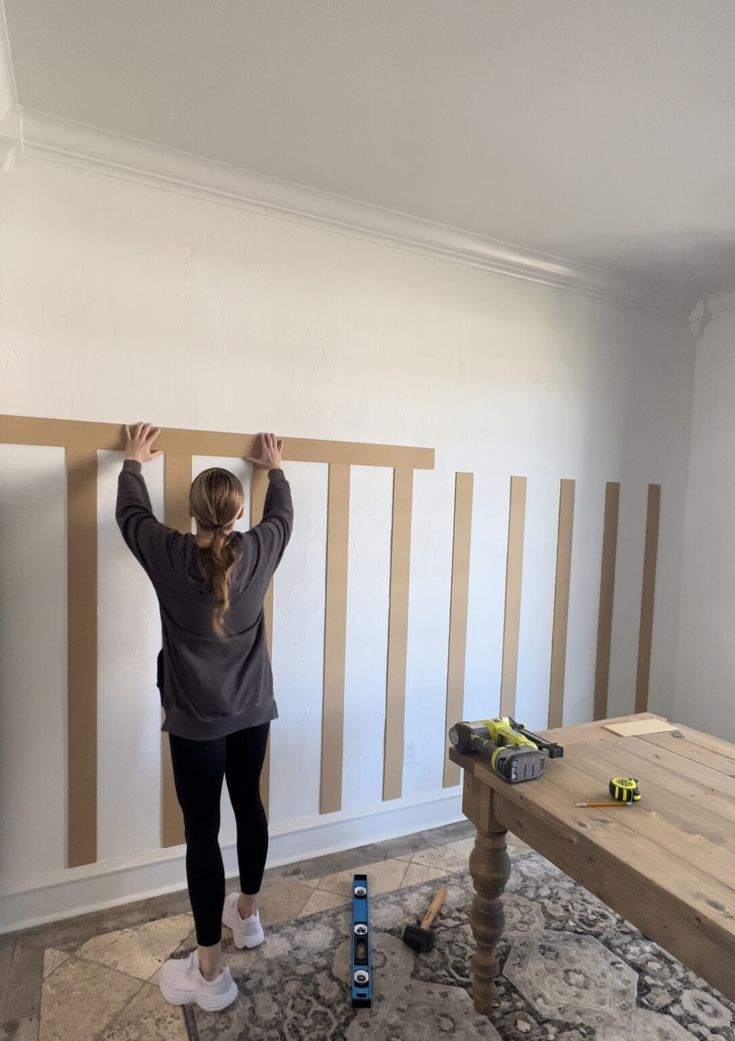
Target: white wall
x=121 y=302
x=705 y=686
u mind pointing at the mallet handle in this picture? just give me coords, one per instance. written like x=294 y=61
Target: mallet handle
x=435 y=908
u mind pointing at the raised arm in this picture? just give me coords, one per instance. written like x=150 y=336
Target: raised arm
x=274 y=530
x=146 y=537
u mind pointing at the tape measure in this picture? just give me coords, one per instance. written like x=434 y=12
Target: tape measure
x=625 y=789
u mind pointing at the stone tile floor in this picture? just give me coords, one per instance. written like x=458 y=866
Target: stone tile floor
x=95 y=978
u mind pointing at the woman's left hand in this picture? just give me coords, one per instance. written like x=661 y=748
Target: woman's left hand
x=140 y=442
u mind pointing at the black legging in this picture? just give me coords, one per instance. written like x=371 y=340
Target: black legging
x=199 y=767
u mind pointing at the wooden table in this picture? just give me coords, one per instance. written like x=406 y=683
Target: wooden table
x=666 y=864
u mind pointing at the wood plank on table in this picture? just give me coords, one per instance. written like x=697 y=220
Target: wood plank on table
x=635 y=852
x=716 y=744
x=591 y=731
x=712 y=759
x=665 y=897
x=655 y=818
x=694 y=820
x=649 y=763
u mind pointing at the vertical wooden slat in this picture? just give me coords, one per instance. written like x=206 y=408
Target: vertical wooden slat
x=463 y=490
x=607 y=595
x=258 y=490
x=561 y=603
x=513 y=584
x=648 y=594
x=395 y=689
x=81 y=533
x=335 y=634
x=176 y=484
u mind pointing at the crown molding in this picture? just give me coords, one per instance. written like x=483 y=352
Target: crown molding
x=46 y=137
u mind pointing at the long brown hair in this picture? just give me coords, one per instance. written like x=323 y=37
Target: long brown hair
x=215 y=500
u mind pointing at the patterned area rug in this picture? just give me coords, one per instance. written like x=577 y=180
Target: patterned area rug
x=573 y=971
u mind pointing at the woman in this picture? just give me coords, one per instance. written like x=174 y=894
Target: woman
x=216 y=686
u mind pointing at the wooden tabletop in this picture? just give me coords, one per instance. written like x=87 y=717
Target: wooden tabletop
x=667 y=864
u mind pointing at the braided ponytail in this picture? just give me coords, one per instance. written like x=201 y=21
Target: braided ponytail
x=215 y=501
x=217 y=561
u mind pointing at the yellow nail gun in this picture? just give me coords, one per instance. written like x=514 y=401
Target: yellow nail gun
x=515 y=754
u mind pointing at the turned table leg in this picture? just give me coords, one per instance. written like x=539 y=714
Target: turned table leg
x=490 y=870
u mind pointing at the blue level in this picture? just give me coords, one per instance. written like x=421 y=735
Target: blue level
x=362 y=984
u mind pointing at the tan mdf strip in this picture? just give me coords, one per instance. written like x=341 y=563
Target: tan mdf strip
x=607 y=595
x=335 y=634
x=258 y=491
x=463 y=488
x=648 y=595
x=395 y=690
x=513 y=584
x=561 y=603
x=177 y=471
x=25 y=430
x=81 y=534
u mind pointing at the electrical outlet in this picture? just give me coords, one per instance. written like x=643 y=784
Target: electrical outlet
x=411 y=753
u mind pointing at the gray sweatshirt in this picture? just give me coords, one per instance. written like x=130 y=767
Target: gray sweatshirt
x=210 y=685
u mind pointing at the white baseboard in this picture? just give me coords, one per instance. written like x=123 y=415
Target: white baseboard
x=66 y=893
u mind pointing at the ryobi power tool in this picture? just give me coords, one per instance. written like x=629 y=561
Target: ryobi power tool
x=515 y=754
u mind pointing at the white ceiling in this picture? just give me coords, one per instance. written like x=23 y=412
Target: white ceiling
x=602 y=131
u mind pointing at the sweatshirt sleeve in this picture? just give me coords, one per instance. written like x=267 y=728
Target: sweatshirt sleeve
x=150 y=541
x=274 y=530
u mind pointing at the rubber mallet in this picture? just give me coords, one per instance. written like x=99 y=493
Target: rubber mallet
x=420 y=937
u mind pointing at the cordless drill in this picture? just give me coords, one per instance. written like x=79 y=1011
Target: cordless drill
x=515 y=754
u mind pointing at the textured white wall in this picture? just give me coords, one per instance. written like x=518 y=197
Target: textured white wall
x=120 y=303
x=705 y=682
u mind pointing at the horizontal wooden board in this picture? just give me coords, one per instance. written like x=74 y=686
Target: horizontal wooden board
x=26 y=430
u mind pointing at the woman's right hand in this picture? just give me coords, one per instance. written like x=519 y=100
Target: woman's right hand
x=271 y=453
x=139 y=442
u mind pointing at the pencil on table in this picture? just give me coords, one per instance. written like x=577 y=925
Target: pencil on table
x=591 y=804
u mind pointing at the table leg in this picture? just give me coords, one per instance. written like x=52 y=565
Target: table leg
x=490 y=870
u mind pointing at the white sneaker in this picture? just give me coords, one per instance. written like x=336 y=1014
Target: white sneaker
x=181 y=981
x=246 y=932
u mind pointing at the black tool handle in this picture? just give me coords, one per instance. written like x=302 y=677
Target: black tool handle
x=552 y=749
